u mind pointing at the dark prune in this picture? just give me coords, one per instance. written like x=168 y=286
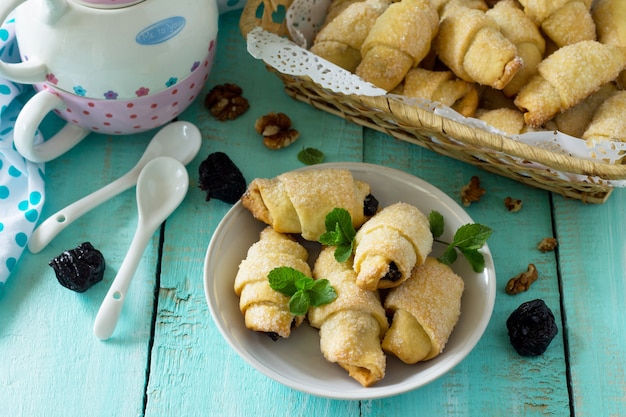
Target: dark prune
x=394 y=273
x=531 y=328
x=370 y=205
x=80 y=268
x=221 y=179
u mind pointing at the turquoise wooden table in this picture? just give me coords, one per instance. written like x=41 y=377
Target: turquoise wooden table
x=167 y=357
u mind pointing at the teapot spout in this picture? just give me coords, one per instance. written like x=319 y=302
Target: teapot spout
x=53 y=10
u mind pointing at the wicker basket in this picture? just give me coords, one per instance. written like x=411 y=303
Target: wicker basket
x=489 y=151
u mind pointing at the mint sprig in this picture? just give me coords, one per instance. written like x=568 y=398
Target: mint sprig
x=468 y=240
x=436 y=223
x=339 y=233
x=303 y=290
x=311 y=156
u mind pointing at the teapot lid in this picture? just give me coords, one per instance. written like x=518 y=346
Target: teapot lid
x=108 y=4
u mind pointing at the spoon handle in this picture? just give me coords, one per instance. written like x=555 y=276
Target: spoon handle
x=53 y=225
x=111 y=307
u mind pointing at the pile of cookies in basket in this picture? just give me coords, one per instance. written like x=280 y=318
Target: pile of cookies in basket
x=519 y=65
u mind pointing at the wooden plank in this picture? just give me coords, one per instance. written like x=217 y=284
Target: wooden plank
x=592 y=253
x=493 y=379
x=52 y=363
x=193 y=370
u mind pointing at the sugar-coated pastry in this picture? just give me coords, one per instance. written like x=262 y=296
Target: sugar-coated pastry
x=516 y=26
x=567 y=77
x=508 y=120
x=335 y=8
x=564 y=21
x=425 y=309
x=609 y=121
x=471 y=44
x=352 y=326
x=389 y=245
x=340 y=40
x=264 y=309
x=445 y=6
x=443 y=87
x=610 y=18
x=574 y=121
x=298 y=201
x=399 y=39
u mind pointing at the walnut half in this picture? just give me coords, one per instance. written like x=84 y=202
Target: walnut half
x=522 y=282
x=226 y=102
x=513 y=204
x=547 y=244
x=472 y=192
x=276 y=130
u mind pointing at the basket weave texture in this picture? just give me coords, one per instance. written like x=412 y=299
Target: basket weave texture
x=489 y=151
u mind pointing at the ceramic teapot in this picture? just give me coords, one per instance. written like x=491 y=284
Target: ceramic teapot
x=109 y=66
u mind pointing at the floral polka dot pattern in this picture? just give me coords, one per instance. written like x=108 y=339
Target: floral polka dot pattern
x=21 y=182
x=146 y=112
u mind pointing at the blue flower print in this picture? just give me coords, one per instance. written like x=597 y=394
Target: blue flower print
x=79 y=90
x=171 y=82
x=195 y=66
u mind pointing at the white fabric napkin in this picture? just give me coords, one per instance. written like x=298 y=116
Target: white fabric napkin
x=21 y=182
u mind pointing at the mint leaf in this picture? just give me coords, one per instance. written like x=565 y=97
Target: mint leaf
x=342 y=253
x=449 y=256
x=304 y=283
x=471 y=236
x=436 y=223
x=339 y=221
x=283 y=279
x=303 y=290
x=311 y=156
x=339 y=233
x=299 y=303
x=321 y=293
x=475 y=258
x=468 y=239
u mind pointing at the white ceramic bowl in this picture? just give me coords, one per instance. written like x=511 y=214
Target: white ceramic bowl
x=297 y=361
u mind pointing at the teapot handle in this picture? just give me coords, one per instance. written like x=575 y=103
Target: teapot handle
x=28 y=72
x=28 y=122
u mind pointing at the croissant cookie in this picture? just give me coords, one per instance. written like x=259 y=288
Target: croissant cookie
x=298 y=201
x=567 y=77
x=340 y=40
x=264 y=309
x=398 y=41
x=610 y=18
x=609 y=121
x=564 y=21
x=443 y=87
x=390 y=245
x=352 y=326
x=425 y=309
x=516 y=26
x=471 y=44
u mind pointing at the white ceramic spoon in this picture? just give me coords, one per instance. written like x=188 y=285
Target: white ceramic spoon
x=179 y=140
x=161 y=187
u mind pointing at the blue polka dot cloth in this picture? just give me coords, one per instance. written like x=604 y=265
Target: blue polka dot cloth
x=21 y=182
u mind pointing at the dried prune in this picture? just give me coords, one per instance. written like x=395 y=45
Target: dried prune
x=221 y=179
x=531 y=328
x=394 y=273
x=370 y=205
x=80 y=268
